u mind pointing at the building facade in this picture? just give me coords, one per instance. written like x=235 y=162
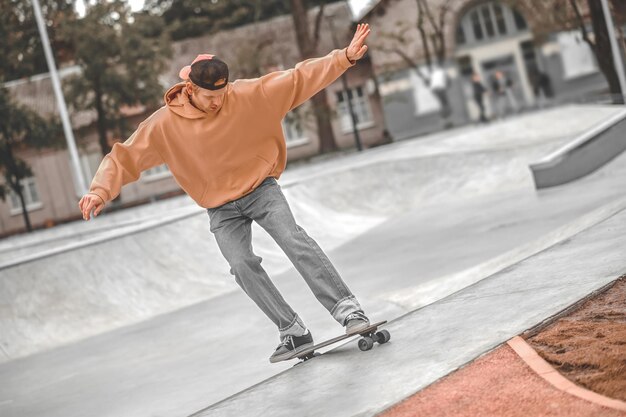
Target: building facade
x=481 y=37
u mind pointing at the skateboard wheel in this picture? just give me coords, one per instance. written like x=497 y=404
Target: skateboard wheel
x=383 y=336
x=366 y=343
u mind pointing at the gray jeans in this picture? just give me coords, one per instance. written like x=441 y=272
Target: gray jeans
x=231 y=224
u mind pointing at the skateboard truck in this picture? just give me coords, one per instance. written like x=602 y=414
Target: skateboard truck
x=369 y=336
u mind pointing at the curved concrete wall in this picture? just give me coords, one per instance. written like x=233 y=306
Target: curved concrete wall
x=128 y=276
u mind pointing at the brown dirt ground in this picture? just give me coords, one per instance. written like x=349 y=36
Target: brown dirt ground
x=499 y=384
x=588 y=346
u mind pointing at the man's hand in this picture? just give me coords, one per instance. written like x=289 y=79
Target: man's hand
x=90 y=202
x=357 y=48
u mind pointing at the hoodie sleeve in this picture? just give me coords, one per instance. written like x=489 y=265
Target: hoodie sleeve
x=125 y=162
x=288 y=89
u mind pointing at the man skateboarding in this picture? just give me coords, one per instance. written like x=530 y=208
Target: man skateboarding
x=224 y=144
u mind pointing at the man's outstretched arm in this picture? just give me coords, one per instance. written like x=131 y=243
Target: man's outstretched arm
x=286 y=90
x=121 y=166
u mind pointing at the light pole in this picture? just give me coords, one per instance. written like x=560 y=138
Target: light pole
x=80 y=185
x=344 y=82
x=617 y=56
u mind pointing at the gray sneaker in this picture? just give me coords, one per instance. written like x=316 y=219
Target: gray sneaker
x=356 y=322
x=290 y=346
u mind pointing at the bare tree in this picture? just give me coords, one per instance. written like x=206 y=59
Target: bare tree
x=554 y=15
x=600 y=45
x=431 y=25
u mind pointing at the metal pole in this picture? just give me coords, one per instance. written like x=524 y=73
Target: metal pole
x=617 y=56
x=344 y=83
x=80 y=185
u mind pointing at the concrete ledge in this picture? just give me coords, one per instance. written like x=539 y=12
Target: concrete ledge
x=583 y=155
x=551 y=375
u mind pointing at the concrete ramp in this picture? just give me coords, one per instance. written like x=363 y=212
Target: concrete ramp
x=584 y=154
x=387 y=188
x=122 y=276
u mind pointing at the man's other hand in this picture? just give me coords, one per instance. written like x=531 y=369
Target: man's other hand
x=90 y=202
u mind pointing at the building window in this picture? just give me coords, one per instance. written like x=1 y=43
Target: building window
x=292 y=129
x=465 y=65
x=489 y=21
x=486 y=12
x=360 y=105
x=478 y=29
x=528 y=51
x=156 y=173
x=31 y=196
x=520 y=23
x=500 y=22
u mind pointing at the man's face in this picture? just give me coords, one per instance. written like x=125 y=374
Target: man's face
x=206 y=100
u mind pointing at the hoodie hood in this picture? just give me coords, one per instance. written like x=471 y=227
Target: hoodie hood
x=177 y=100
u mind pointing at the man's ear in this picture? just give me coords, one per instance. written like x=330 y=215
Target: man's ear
x=189 y=87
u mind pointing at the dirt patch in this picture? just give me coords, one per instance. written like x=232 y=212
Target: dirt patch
x=499 y=384
x=588 y=346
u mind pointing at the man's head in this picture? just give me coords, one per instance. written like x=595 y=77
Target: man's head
x=206 y=79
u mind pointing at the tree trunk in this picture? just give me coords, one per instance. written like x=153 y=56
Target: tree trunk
x=423 y=35
x=13 y=171
x=20 y=194
x=308 y=49
x=323 y=119
x=602 y=50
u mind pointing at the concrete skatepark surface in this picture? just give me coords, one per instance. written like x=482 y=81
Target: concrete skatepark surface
x=430 y=216
x=433 y=341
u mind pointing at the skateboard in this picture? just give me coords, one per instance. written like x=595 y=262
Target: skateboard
x=369 y=336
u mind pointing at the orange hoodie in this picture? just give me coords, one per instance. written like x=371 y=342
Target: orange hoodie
x=217 y=158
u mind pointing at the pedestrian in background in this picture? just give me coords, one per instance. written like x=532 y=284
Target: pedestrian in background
x=499 y=94
x=479 y=90
x=510 y=94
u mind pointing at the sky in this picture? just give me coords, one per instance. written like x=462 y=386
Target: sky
x=358 y=5
x=134 y=5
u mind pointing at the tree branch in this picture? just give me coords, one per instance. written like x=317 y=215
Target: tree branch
x=422 y=31
x=318 y=24
x=443 y=12
x=581 y=22
x=429 y=14
x=406 y=58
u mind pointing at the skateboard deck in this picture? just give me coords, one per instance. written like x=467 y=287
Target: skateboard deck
x=369 y=336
